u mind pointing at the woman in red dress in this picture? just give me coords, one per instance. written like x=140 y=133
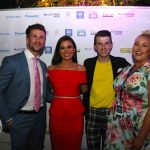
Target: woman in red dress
x=68 y=79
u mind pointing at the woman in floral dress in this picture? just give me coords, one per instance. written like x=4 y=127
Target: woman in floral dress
x=129 y=121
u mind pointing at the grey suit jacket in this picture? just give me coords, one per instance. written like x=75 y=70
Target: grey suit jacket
x=15 y=85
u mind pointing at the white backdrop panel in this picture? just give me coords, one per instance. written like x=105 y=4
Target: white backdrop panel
x=125 y=23
x=81 y=23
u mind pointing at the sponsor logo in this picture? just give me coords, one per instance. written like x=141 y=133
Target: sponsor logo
x=107 y=15
x=68 y=32
x=68 y=14
x=13 y=17
x=4 y=50
x=78 y=50
x=93 y=15
x=4 y=34
x=125 y=50
x=56 y=31
x=19 y=33
x=116 y=32
x=88 y=49
x=48 y=50
x=129 y=14
x=81 y=32
x=80 y=14
x=31 y=16
x=19 y=49
x=93 y=32
x=55 y=15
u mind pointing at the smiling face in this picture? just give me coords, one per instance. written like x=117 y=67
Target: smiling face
x=67 y=50
x=103 y=46
x=36 y=41
x=141 y=49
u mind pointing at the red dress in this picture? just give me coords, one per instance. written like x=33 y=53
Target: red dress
x=66 y=120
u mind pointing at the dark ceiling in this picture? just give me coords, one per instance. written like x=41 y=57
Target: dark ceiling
x=8 y=4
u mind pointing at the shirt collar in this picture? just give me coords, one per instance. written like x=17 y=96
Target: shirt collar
x=28 y=54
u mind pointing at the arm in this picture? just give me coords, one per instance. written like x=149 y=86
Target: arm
x=7 y=125
x=6 y=75
x=49 y=93
x=84 y=88
x=145 y=129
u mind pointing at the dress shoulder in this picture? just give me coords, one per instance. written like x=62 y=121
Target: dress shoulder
x=81 y=68
x=51 y=67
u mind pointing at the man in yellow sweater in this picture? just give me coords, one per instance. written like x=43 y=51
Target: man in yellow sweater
x=101 y=72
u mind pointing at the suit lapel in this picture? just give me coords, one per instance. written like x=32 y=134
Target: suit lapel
x=91 y=71
x=25 y=70
x=114 y=66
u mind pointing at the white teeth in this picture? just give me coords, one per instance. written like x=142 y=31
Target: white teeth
x=138 y=53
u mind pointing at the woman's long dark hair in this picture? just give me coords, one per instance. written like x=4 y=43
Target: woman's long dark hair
x=57 y=58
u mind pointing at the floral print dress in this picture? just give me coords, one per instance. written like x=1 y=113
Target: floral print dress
x=134 y=102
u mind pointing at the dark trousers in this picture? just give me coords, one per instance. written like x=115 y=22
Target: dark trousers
x=95 y=127
x=28 y=131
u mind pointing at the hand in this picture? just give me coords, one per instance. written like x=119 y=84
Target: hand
x=137 y=143
x=7 y=126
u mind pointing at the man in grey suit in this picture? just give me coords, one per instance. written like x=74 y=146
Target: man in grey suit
x=26 y=125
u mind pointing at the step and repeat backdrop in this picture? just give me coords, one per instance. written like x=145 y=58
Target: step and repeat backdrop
x=81 y=23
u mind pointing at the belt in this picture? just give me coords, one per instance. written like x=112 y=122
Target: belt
x=100 y=109
x=67 y=97
x=29 y=111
